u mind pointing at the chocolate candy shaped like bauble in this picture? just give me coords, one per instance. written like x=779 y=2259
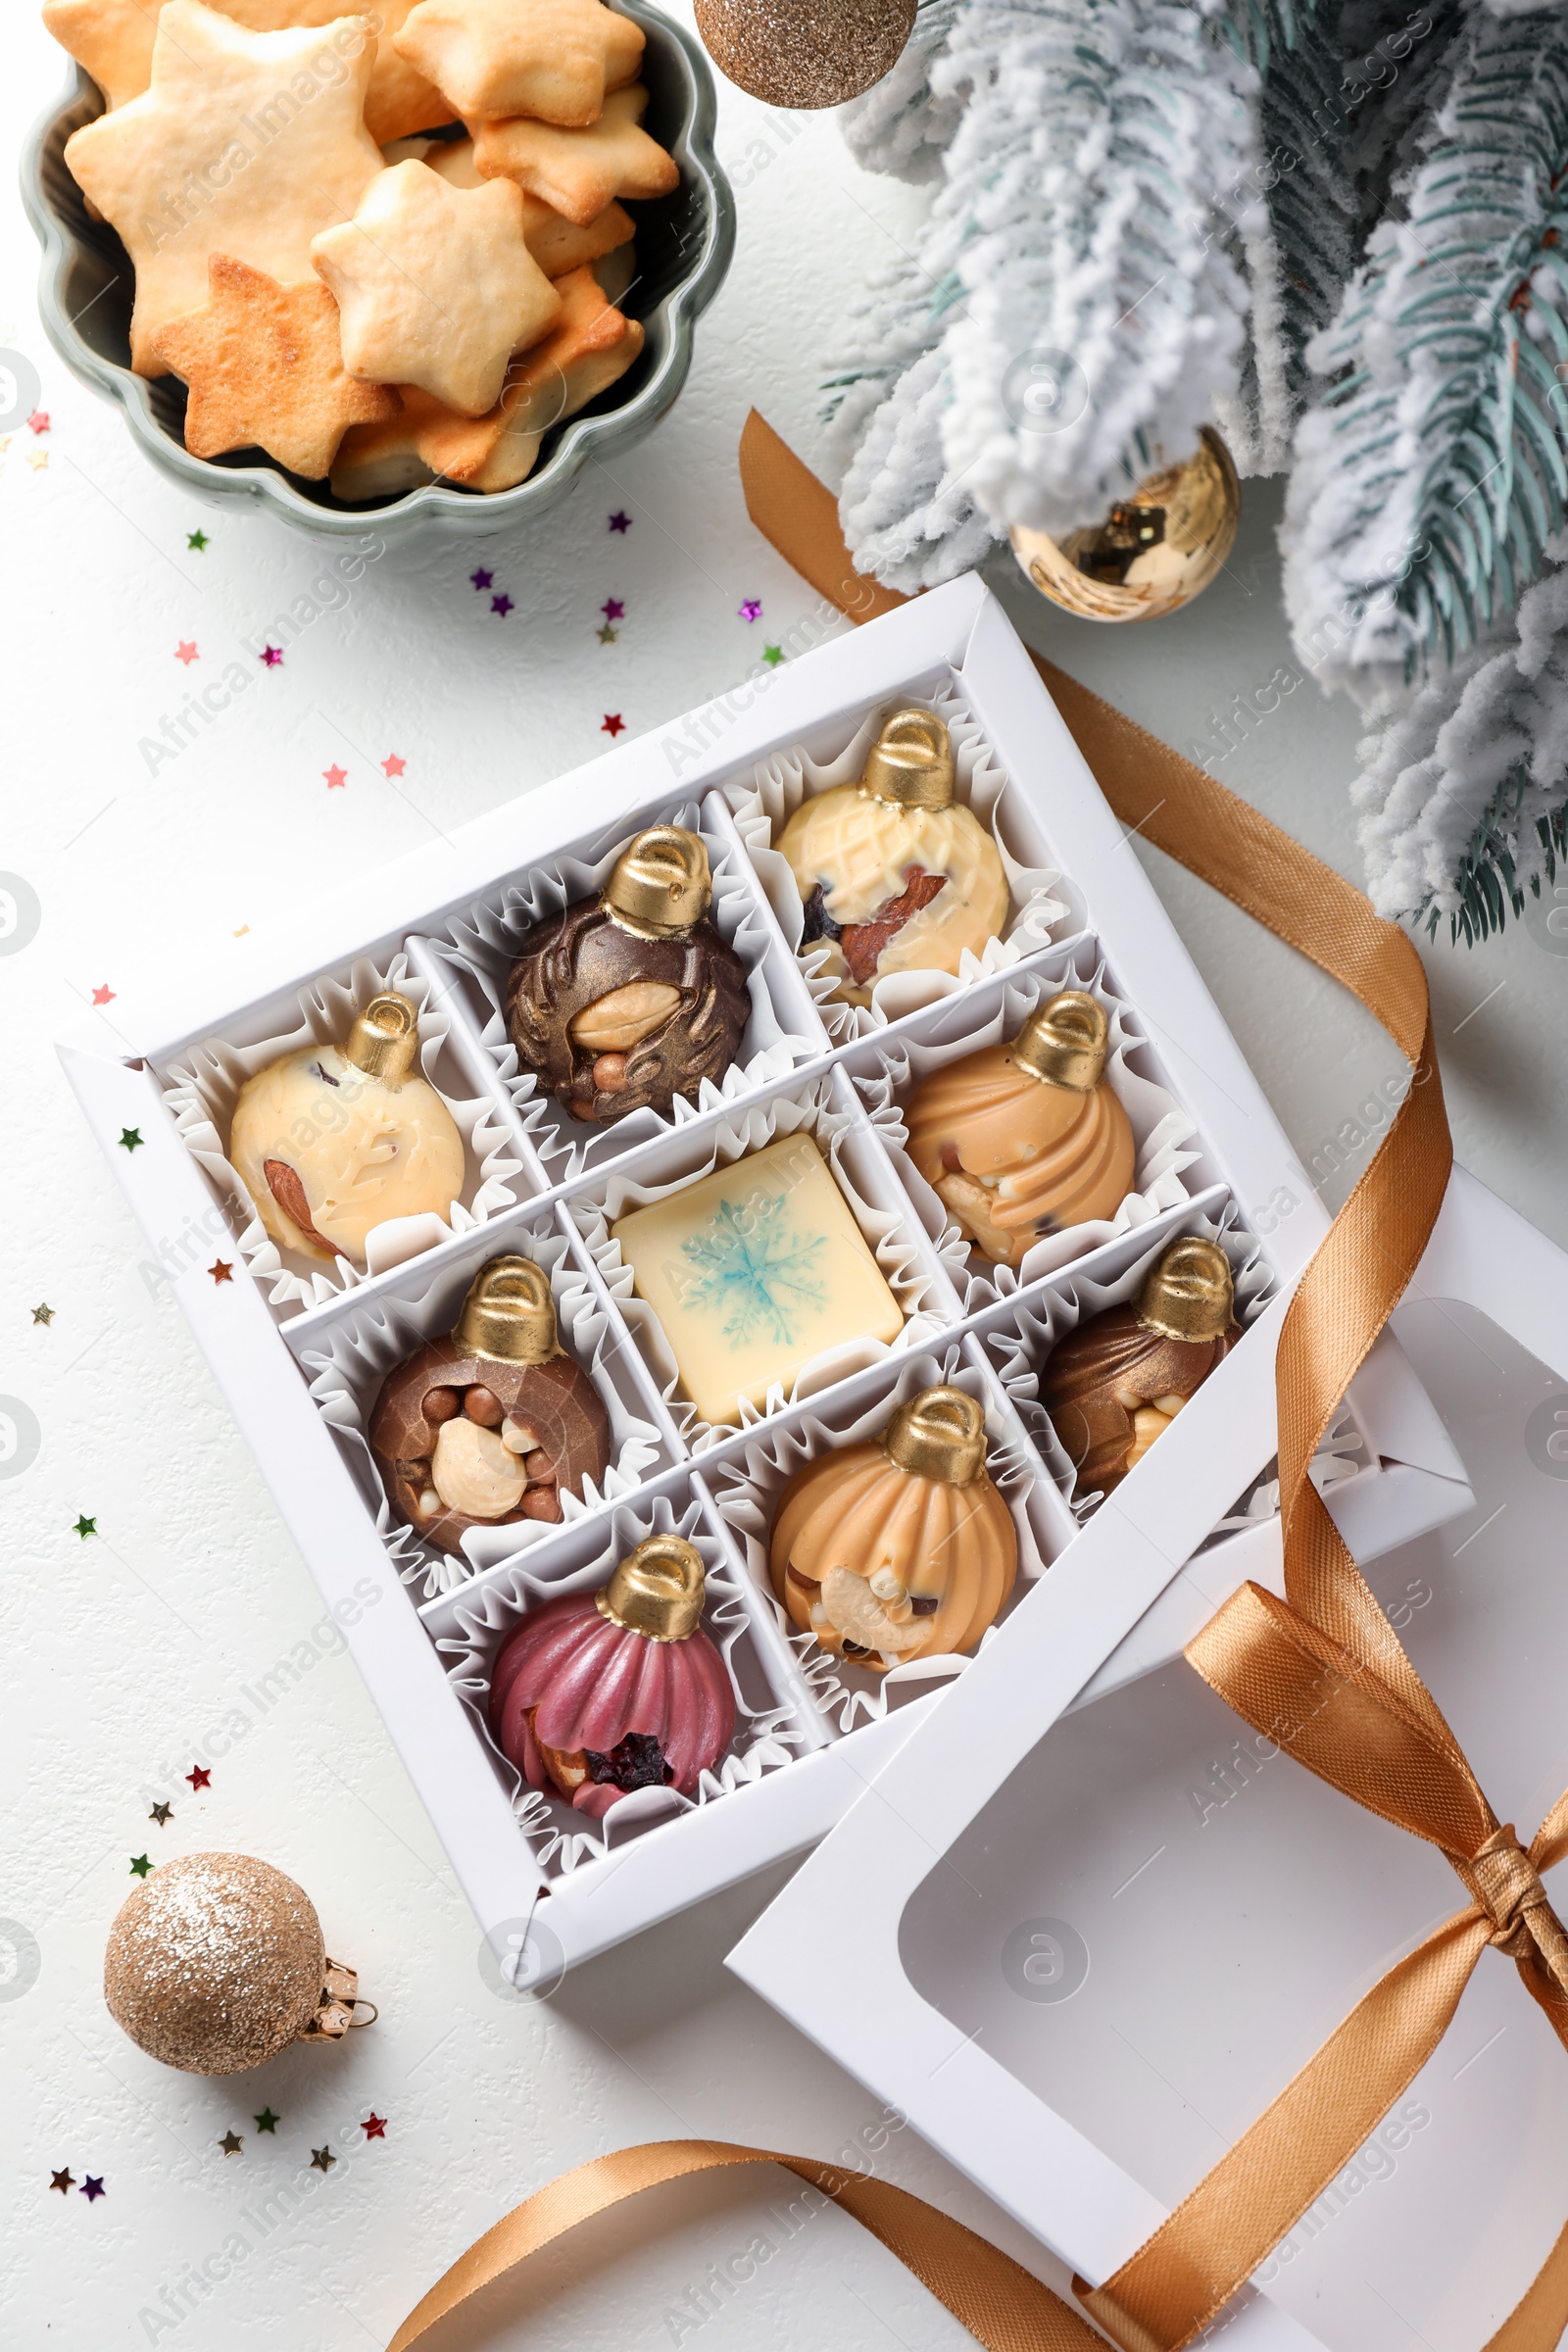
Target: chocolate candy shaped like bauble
x=493 y=1423
x=806 y=52
x=893 y=873
x=598 y=1693
x=1153 y=552
x=217 y=1963
x=899 y=1547
x=332 y=1140
x=1024 y=1139
x=623 y=1002
x=1116 y=1383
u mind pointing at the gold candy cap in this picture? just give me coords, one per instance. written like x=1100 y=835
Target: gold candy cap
x=1064 y=1043
x=939 y=1434
x=910 y=763
x=1187 y=1293
x=656 y=1590
x=384 y=1041
x=508 y=1313
x=660 y=884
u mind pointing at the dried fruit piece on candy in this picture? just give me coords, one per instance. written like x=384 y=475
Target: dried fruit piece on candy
x=579 y=171
x=551 y=59
x=863 y=943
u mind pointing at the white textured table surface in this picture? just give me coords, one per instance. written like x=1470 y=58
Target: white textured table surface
x=131 y=1653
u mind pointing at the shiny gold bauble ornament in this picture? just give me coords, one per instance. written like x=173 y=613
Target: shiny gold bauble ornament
x=217 y=1963
x=804 y=52
x=1154 y=551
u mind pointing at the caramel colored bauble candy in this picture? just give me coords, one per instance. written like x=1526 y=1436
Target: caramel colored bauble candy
x=217 y=1963
x=805 y=53
x=493 y=1423
x=1024 y=1139
x=623 y=1002
x=895 y=875
x=1116 y=1383
x=899 y=1547
x=1154 y=551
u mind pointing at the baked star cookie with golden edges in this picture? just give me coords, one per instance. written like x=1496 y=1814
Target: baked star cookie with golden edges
x=552 y=59
x=245 y=143
x=579 y=171
x=265 y=370
x=436 y=286
x=556 y=243
x=113 y=40
x=590 y=348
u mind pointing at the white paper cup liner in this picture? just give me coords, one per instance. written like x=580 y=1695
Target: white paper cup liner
x=849 y=1147
x=351 y=1359
x=764 y=1737
x=486 y=940
x=202 y=1090
x=1038 y=913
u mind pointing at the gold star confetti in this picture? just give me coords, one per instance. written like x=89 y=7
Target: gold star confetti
x=231 y=2143
x=44 y=1314
x=323 y=2160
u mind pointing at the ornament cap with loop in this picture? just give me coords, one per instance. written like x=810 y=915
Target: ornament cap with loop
x=657 y=1590
x=910 y=763
x=508 y=1313
x=940 y=1433
x=1189 y=1292
x=660 y=885
x=1064 y=1043
x=384 y=1041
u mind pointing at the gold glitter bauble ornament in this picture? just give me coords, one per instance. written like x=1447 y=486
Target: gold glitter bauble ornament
x=804 y=52
x=217 y=1963
x=1154 y=551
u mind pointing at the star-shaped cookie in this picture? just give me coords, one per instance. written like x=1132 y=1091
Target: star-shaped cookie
x=246 y=143
x=266 y=370
x=579 y=171
x=556 y=243
x=114 y=40
x=436 y=285
x=590 y=347
x=553 y=59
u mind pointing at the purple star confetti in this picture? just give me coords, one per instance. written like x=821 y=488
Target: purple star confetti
x=501 y=604
x=272 y=656
x=612 y=608
x=621 y=522
x=751 y=610
x=481 y=579
x=91 y=2188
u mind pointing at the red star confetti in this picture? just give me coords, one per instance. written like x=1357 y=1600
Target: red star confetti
x=501 y=604
x=614 y=723
x=104 y=994
x=223 y=1271
x=751 y=610
x=392 y=765
x=91 y=2188
x=198 y=1778
x=375 y=2125
x=621 y=522
x=38 y=421
x=481 y=579
x=271 y=656
x=185 y=651
x=335 y=776
x=612 y=608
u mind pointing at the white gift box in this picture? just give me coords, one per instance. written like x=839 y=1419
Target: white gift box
x=299 y=1360
x=1088 y=1924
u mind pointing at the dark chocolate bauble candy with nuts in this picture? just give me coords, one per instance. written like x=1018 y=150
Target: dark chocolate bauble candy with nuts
x=622 y=1003
x=1116 y=1383
x=804 y=52
x=493 y=1423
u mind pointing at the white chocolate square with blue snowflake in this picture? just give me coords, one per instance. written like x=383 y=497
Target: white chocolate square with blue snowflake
x=754 y=1270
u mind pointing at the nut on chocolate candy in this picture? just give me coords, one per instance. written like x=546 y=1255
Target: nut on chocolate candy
x=623 y=1002
x=493 y=1423
x=1116 y=1383
x=901 y=1546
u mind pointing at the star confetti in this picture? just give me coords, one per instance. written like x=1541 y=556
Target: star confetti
x=751 y=610
x=197 y=539
x=44 y=1314
x=271 y=656
x=481 y=579
x=104 y=994
x=772 y=655
x=223 y=1270
x=91 y=2188
x=375 y=2125
x=335 y=776
x=612 y=608
x=38 y=421
x=129 y=1138
x=199 y=1779
x=139 y=1866
x=85 y=1527
x=392 y=765
x=38 y=458
x=267 y=2121
x=231 y=2143
x=621 y=522
x=322 y=2160
x=63 y=2180
x=607 y=635
x=185 y=651
x=501 y=604
x=161 y=1814
x=614 y=723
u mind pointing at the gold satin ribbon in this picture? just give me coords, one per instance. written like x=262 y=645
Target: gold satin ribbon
x=1321 y=1672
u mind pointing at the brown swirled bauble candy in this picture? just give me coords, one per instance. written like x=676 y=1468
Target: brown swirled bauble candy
x=1116 y=1383
x=1024 y=1139
x=1153 y=552
x=899 y=1547
x=623 y=1002
x=493 y=1423
x=217 y=1963
x=802 y=53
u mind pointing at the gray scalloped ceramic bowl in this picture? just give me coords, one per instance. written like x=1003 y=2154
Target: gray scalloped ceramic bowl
x=684 y=243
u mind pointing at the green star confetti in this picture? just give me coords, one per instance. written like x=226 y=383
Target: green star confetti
x=267 y=2121
x=139 y=1866
x=129 y=1138
x=197 y=539
x=85 y=1527
x=772 y=655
